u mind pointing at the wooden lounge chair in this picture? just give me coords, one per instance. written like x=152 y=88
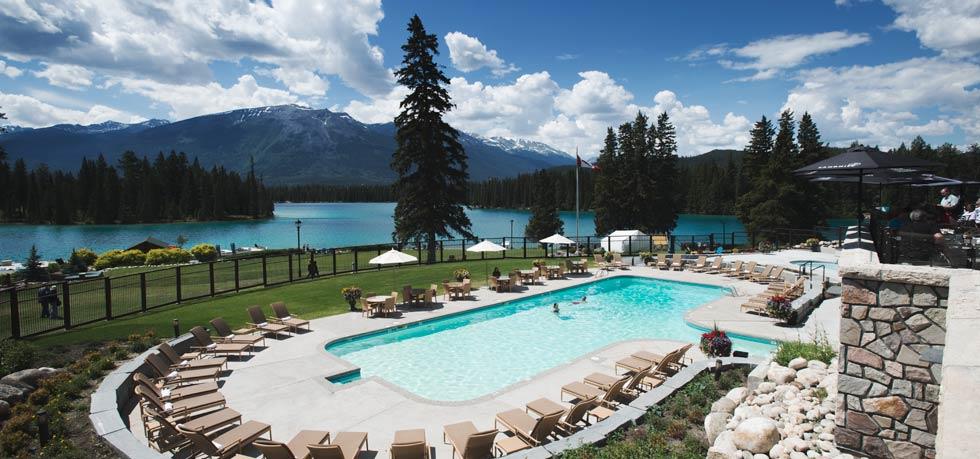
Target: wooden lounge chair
x=700 y=265
x=600 y=262
x=263 y=324
x=183 y=408
x=283 y=317
x=162 y=434
x=574 y=416
x=208 y=346
x=410 y=444
x=618 y=260
x=749 y=270
x=766 y=270
x=180 y=377
x=733 y=270
x=297 y=448
x=776 y=275
x=467 y=441
x=534 y=431
x=715 y=267
x=676 y=356
x=346 y=445
x=170 y=394
x=662 y=261
x=242 y=336
x=677 y=264
x=610 y=397
x=227 y=443
x=176 y=363
x=645 y=379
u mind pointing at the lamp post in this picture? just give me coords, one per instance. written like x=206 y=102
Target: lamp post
x=298 y=224
x=512 y=228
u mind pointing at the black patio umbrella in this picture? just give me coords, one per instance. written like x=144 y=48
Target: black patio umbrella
x=857 y=162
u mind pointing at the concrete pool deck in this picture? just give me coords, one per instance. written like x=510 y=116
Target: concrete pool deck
x=285 y=384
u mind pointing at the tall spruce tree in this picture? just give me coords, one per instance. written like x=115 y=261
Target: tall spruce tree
x=544 y=219
x=664 y=171
x=755 y=159
x=33 y=271
x=607 y=205
x=429 y=160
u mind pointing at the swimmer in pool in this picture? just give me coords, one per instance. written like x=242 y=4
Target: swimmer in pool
x=554 y=308
x=580 y=301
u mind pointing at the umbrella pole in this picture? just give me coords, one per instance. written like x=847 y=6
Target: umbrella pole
x=860 y=214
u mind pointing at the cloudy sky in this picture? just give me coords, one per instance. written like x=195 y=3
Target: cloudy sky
x=879 y=72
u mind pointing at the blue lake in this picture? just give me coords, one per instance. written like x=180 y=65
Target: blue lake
x=324 y=225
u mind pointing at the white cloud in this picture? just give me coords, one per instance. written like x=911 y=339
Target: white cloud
x=379 y=109
x=66 y=76
x=883 y=104
x=567 y=56
x=952 y=27
x=468 y=54
x=508 y=110
x=176 y=42
x=770 y=56
x=31 y=112
x=9 y=70
x=302 y=82
x=187 y=101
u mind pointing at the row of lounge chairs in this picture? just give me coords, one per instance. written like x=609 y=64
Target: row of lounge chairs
x=758 y=304
x=738 y=269
x=593 y=399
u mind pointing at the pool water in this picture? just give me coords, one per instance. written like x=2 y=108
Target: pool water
x=475 y=353
x=830 y=266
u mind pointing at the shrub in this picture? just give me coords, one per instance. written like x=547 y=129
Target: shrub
x=817 y=349
x=204 y=252
x=168 y=256
x=15 y=356
x=82 y=258
x=119 y=258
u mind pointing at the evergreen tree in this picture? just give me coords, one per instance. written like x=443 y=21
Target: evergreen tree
x=429 y=160
x=808 y=137
x=755 y=159
x=663 y=213
x=32 y=267
x=544 y=219
x=607 y=206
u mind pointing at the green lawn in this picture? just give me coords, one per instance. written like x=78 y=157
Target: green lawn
x=309 y=299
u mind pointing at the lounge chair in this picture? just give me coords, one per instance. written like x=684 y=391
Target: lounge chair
x=263 y=324
x=297 y=448
x=180 y=377
x=700 y=265
x=410 y=444
x=574 y=416
x=183 y=408
x=346 y=445
x=226 y=335
x=714 y=268
x=766 y=270
x=776 y=275
x=534 y=431
x=208 y=346
x=639 y=381
x=618 y=260
x=228 y=443
x=469 y=442
x=170 y=394
x=176 y=363
x=749 y=270
x=732 y=270
x=676 y=357
x=662 y=261
x=581 y=390
x=283 y=317
x=677 y=264
x=161 y=430
x=601 y=262
x=759 y=303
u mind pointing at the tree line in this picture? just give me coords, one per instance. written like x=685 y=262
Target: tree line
x=135 y=190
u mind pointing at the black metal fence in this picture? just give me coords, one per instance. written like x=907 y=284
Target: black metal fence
x=26 y=311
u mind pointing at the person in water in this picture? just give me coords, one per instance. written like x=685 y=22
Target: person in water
x=554 y=308
x=580 y=301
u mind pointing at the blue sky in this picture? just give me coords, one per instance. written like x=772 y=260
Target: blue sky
x=559 y=72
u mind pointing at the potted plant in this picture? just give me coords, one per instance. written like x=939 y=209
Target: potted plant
x=716 y=343
x=780 y=307
x=351 y=295
x=765 y=247
x=814 y=244
x=461 y=273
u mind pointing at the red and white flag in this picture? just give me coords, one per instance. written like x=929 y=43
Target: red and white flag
x=579 y=161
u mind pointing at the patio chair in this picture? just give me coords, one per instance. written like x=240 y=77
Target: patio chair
x=346 y=445
x=515 y=279
x=732 y=270
x=430 y=295
x=700 y=265
x=574 y=416
x=183 y=408
x=407 y=294
x=766 y=270
x=493 y=283
x=169 y=394
x=161 y=430
x=409 y=444
x=610 y=397
x=367 y=310
x=675 y=358
x=585 y=266
x=749 y=270
x=180 y=377
x=561 y=271
x=534 y=431
x=226 y=335
x=466 y=288
x=618 y=260
x=715 y=267
x=662 y=261
x=467 y=441
x=297 y=448
x=176 y=363
x=208 y=346
x=677 y=264
x=776 y=275
x=389 y=305
x=283 y=317
x=261 y=323
x=646 y=379
x=227 y=443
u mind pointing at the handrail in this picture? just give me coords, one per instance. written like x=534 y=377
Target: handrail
x=811 y=263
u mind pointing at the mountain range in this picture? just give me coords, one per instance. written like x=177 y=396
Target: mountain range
x=290 y=144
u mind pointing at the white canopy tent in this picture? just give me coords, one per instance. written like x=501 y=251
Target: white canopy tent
x=624 y=240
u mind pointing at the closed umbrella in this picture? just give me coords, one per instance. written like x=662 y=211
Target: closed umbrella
x=392 y=257
x=486 y=246
x=557 y=239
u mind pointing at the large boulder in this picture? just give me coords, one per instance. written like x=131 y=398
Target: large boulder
x=724 y=447
x=738 y=394
x=757 y=435
x=723 y=405
x=714 y=424
x=12 y=394
x=29 y=378
x=4 y=410
x=797 y=363
x=780 y=375
x=809 y=377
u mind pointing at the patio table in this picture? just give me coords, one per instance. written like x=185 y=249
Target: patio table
x=553 y=271
x=528 y=274
x=503 y=283
x=455 y=289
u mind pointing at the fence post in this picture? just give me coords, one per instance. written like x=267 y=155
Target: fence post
x=354 y=251
x=290 y=255
x=333 y=255
x=237 y=283
x=673 y=241
x=143 y=291
x=588 y=245
x=525 y=246
x=265 y=274
x=418 y=245
x=66 y=304
x=463 y=250
x=14 y=314
x=108 y=298
x=211 y=277
x=441 y=247
x=629 y=244
x=179 y=293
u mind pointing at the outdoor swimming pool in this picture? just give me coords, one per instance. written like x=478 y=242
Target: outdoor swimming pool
x=830 y=266
x=471 y=354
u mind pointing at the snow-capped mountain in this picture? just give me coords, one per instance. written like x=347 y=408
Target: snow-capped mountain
x=516 y=146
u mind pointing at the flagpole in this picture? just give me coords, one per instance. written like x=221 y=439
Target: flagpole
x=577 y=166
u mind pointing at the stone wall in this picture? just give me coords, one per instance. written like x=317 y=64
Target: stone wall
x=893 y=332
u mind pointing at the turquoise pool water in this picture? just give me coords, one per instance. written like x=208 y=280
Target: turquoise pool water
x=471 y=354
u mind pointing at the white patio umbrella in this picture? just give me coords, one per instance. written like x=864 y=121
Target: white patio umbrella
x=392 y=257
x=557 y=239
x=486 y=246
